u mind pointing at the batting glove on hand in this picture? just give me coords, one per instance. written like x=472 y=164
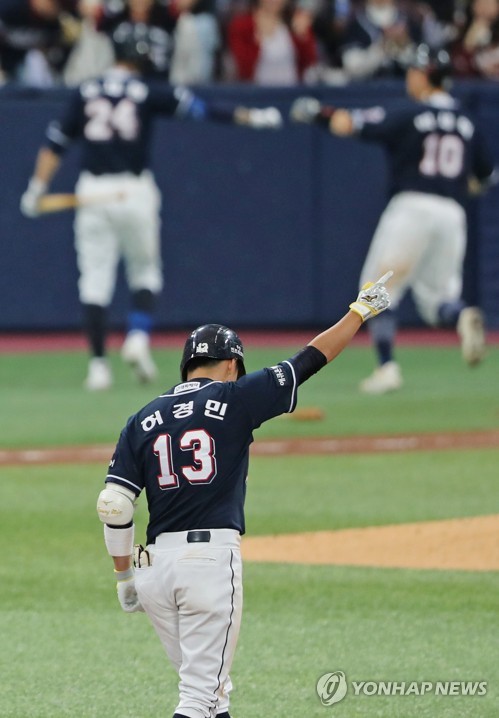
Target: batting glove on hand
x=309 y=110
x=304 y=109
x=141 y=557
x=268 y=118
x=29 y=201
x=373 y=298
x=127 y=594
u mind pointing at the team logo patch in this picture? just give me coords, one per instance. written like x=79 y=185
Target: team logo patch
x=186 y=386
x=202 y=348
x=237 y=350
x=279 y=374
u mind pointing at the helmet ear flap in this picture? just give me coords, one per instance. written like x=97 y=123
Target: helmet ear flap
x=241 y=369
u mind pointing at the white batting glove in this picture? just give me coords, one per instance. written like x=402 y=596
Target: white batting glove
x=373 y=298
x=127 y=594
x=268 y=118
x=304 y=109
x=29 y=201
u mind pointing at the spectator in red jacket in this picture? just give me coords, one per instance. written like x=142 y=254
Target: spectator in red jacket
x=273 y=44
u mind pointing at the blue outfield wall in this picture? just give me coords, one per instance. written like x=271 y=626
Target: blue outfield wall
x=259 y=228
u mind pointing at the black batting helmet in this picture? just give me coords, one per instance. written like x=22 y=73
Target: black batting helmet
x=212 y=341
x=435 y=63
x=132 y=43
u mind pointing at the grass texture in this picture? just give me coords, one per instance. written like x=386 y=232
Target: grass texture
x=66 y=648
x=43 y=393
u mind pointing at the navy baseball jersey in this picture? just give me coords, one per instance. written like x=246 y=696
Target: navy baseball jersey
x=112 y=116
x=189 y=448
x=432 y=148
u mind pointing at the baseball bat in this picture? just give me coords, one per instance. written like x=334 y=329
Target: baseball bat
x=50 y=203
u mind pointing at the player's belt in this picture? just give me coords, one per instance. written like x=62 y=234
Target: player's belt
x=198 y=536
x=170 y=540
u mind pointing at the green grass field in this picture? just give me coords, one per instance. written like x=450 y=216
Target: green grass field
x=66 y=648
x=43 y=393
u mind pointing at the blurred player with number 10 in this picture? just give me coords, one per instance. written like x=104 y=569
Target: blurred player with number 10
x=434 y=151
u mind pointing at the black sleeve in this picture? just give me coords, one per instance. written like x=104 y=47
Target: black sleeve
x=307 y=362
x=169 y=100
x=123 y=469
x=220 y=111
x=60 y=133
x=379 y=125
x=183 y=103
x=482 y=167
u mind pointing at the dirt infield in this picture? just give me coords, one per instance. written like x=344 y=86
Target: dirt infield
x=468 y=544
x=276 y=447
x=461 y=544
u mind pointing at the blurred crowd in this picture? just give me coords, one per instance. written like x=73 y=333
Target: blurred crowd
x=45 y=43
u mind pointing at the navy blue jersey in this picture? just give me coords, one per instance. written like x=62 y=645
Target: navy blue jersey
x=112 y=116
x=433 y=148
x=189 y=448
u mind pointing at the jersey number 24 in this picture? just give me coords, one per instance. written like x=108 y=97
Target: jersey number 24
x=106 y=120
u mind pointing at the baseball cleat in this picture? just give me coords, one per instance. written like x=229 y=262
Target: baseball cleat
x=135 y=352
x=99 y=377
x=384 y=378
x=471 y=330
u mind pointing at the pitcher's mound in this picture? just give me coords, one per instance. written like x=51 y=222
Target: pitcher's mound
x=469 y=544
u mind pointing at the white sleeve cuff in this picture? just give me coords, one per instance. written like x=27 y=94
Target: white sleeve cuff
x=119 y=541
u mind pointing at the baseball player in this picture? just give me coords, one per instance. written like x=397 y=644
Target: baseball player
x=434 y=150
x=112 y=117
x=188 y=450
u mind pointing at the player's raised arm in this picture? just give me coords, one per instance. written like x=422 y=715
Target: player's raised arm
x=308 y=110
x=267 y=118
x=189 y=105
x=373 y=299
x=339 y=121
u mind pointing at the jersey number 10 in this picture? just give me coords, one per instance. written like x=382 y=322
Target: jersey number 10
x=443 y=155
x=204 y=469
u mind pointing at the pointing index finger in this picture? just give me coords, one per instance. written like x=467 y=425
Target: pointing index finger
x=385 y=277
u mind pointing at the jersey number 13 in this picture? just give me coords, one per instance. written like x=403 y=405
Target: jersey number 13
x=204 y=467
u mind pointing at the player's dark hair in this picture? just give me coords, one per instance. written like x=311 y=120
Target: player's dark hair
x=200 y=362
x=196 y=363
